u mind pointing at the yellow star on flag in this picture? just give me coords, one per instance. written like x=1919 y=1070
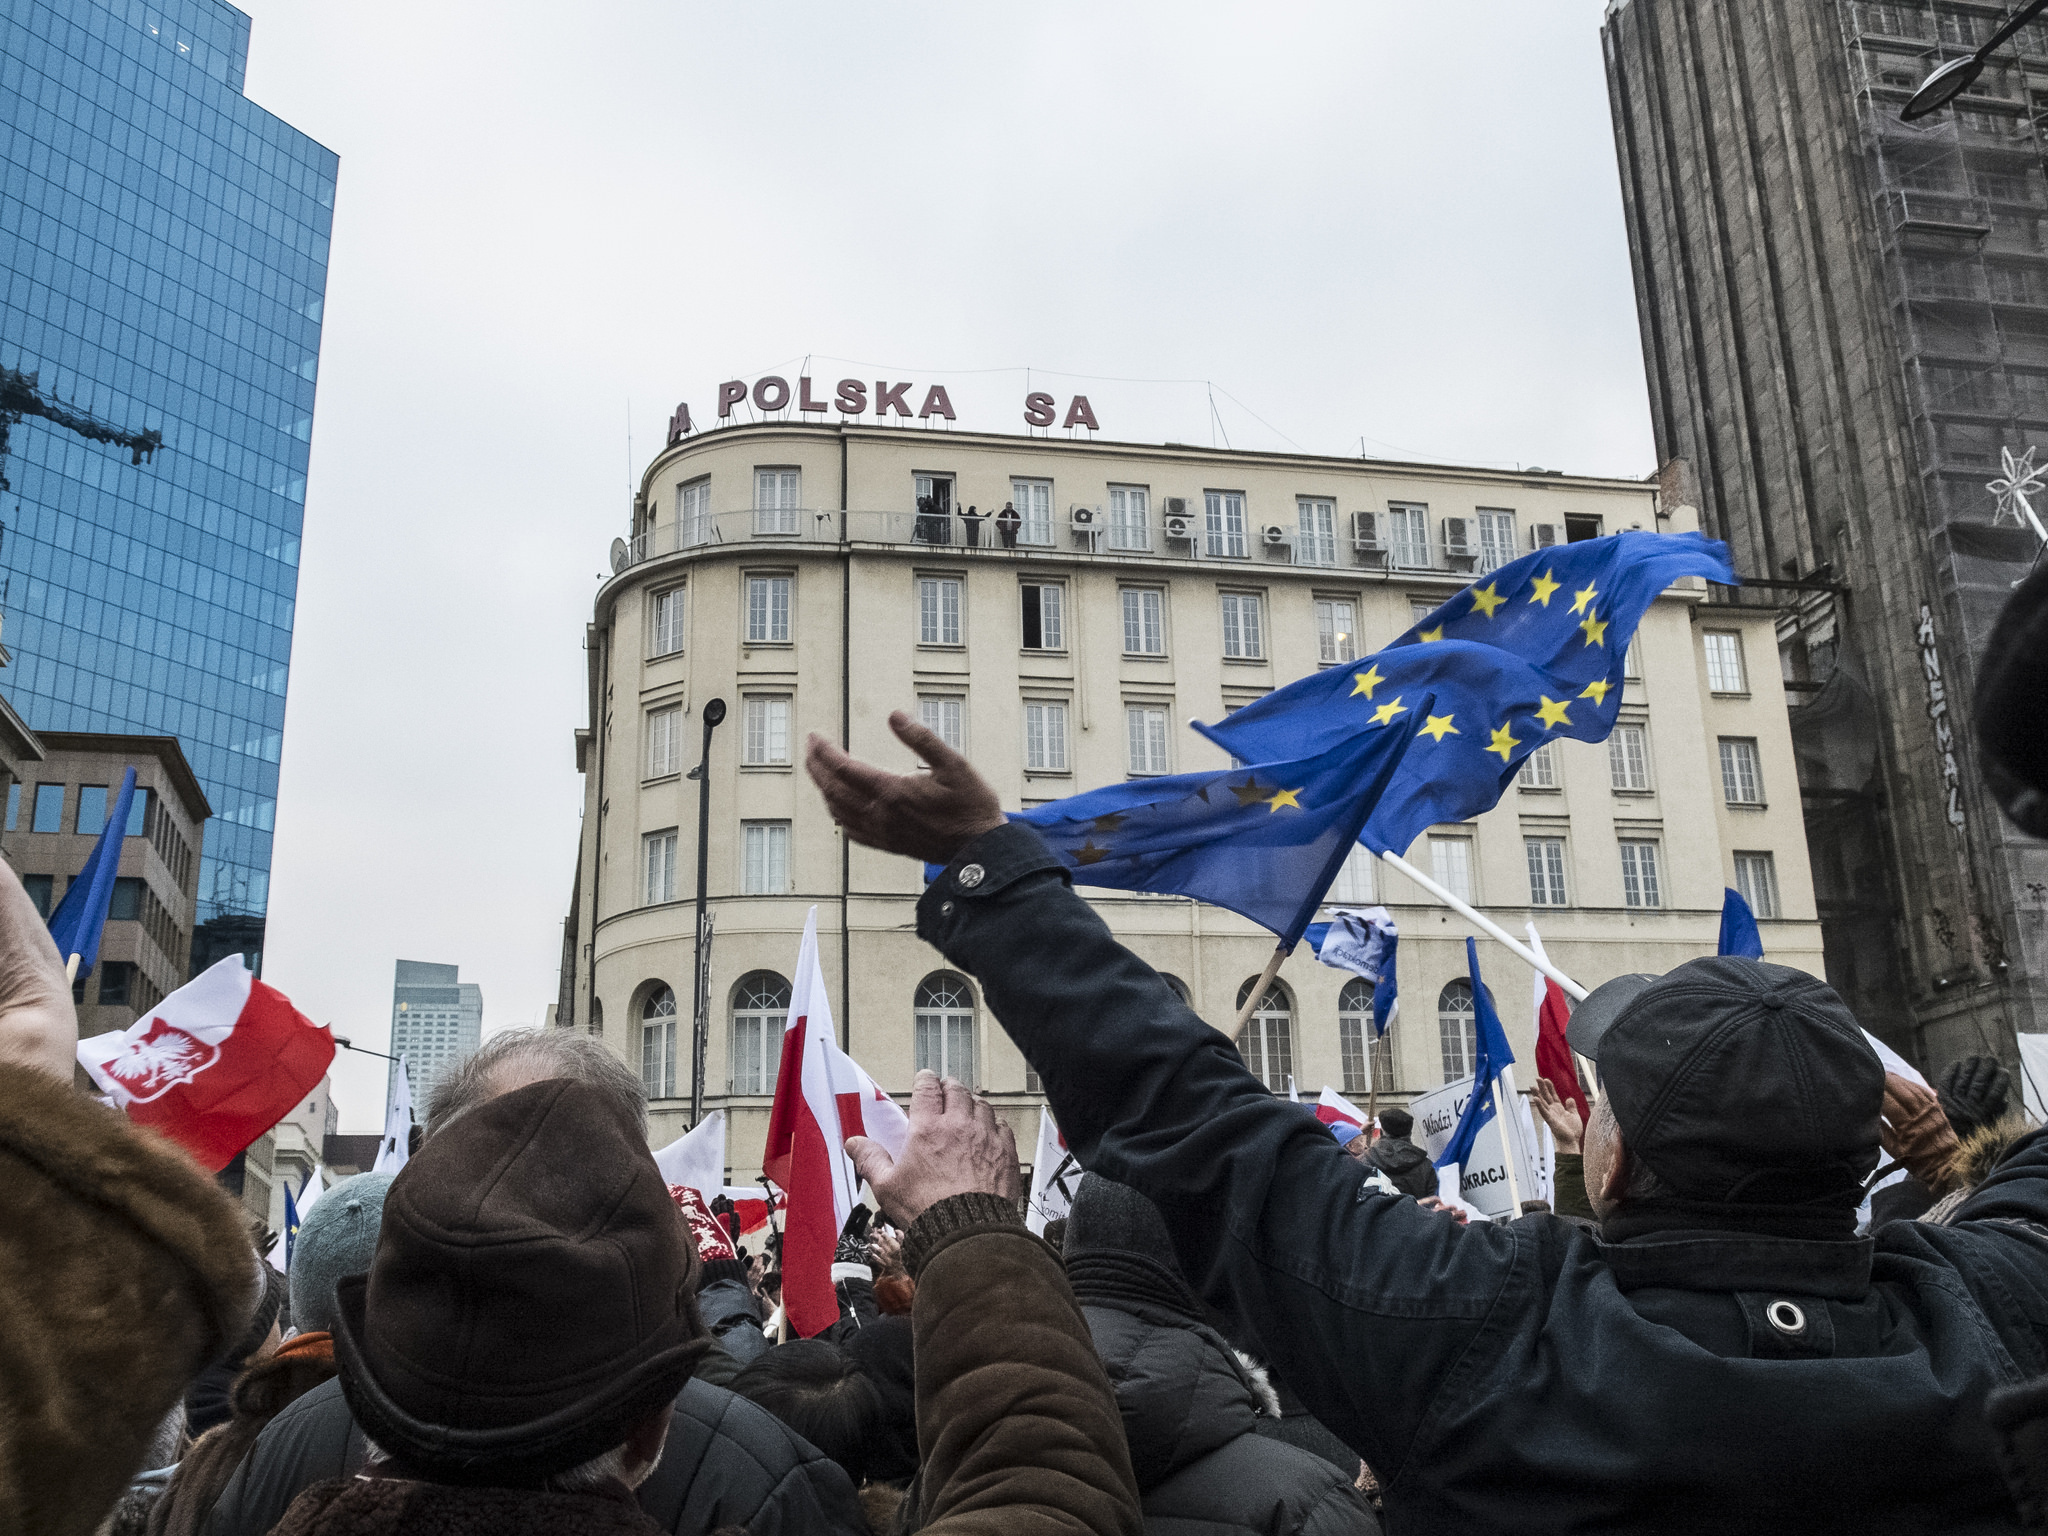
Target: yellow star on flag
x=1597 y=691
x=1088 y=853
x=1486 y=599
x=1552 y=714
x=1284 y=797
x=1428 y=635
x=1364 y=682
x=1542 y=587
x=1439 y=727
x=1582 y=597
x=1503 y=743
x=1109 y=823
x=1595 y=629
x=1388 y=710
x=1250 y=792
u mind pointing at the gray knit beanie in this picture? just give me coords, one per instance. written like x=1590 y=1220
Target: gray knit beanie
x=338 y=1238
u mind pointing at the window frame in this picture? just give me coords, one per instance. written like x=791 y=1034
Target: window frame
x=1335 y=647
x=1365 y=1060
x=1463 y=841
x=779 y=519
x=1360 y=867
x=1624 y=732
x=1224 y=525
x=944 y=1014
x=1146 y=728
x=770 y=1022
x=56 y=800
x=1124 y=517
x=1231 y=611
x=1258 y=1028
x=1546 y=781
x=933 y=719
x=1736 y=754
x=1064 y=768
x=1133 y=603
x=1642 y=873
x=1457 y=1025
x=1747 y=862
x=1545 y=855
x=769 y=581
x=695 y=523
x=655 y=1025
x=1734 y=656
x=1315 y=530
x=662 y=843
x=667 y=613
x=1059 y=623
x=1025 y=519
x=1402 y=515
x=766 y=827
x=663 y=725
x=763 y=705
x=932 y=591
x=1496 y=548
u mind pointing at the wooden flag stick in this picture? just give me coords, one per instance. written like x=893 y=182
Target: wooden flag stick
x=1258 y=992
x=71 y=968
x=1372 y=1077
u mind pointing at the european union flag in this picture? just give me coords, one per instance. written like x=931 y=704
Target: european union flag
x=81 y=917
x=1535 y=652
x=1493 y=1055
x=291 y=1225
x=1264 y=841
x=1739 y=934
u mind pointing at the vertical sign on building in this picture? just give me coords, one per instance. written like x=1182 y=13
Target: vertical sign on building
x=1937 y=711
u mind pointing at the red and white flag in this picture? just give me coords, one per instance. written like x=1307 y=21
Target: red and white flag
x=821 y=1097
x=753 y=1207
x=693 y=1166
x=1332 y=1108
x=214 y=1065
x=1553 y=1051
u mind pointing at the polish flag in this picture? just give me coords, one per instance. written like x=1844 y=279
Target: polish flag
x=1333 y=1107
x=214 y=1065
x=1553 y=1051
x=693 y=1167
x=821 y=1097
x=752 y=1207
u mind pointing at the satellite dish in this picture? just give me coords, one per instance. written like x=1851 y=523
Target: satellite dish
x=618 y=556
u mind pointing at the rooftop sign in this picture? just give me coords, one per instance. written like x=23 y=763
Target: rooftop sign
x=851 y=397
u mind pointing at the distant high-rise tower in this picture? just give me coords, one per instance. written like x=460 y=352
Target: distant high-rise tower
x=163 y=264
x=1845 y=325
x=436 y=1021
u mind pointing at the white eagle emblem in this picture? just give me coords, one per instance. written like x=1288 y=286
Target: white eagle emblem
x=159 y=1060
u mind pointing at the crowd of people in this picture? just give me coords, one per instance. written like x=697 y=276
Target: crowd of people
x=1244 y=1323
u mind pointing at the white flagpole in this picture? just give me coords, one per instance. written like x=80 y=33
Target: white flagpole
x=1506 y=1109
x=1486 y=925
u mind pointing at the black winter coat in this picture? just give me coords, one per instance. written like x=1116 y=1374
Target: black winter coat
x=1406 y=1165
x=727 y=1462
x=1529 y=1376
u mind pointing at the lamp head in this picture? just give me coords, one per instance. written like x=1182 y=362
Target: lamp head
x=1942 y=87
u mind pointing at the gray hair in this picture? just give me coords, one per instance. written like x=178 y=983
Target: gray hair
x=540 y=1053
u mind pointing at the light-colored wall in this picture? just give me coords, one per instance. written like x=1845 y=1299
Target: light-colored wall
x=635 y=946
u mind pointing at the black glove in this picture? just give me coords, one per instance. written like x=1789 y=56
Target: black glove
x=1973 y=1093
x=853 y=1237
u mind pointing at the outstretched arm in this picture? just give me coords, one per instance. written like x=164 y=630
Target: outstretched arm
x=38 y=1024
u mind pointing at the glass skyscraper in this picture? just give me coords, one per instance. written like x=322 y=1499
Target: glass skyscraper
x=163 y=262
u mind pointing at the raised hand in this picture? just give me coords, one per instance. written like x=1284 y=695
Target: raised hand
x=929 y=816
x=1562 y=1118
x=957 y=1146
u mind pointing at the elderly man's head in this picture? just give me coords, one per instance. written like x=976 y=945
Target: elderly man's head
x=513 y=1058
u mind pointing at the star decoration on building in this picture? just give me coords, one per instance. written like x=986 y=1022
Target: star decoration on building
x=1364 y=682
x=1542 y=587
x=1596 y=690
x=1250 y=792
x=1504 y=744
x=1388 y=710
x=1583 y=597
x=1109 y=823
x=2014 y=490
x=1427 y=635
x=1552 y=712
x=1596 y=629
x=1088 y=853
x=1485 y=599
x=1283 y=797
x=1439 y=726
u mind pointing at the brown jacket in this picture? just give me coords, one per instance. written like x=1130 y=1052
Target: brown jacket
x=259 y=1394
x=126 y=1269
x=1016 y=1420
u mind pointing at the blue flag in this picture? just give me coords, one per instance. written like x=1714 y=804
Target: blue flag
x=1493 y=1055
x=1739 y=934
x=1366 y=946
x=1535 y=652
x=291 y=1224
x=1264 y=841
x=81 y=916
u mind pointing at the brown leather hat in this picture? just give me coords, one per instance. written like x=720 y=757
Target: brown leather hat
x=531 y=1298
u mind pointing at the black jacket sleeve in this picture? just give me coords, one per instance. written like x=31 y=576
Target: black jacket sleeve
x=315 y=1438
x=1364 y=1302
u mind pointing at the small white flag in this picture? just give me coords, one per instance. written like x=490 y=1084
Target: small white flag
x=1054 y=1176
x=397 y=1145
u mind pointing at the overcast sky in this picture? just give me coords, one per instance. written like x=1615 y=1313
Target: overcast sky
x=1371 y=226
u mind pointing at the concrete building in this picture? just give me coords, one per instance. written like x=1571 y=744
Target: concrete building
x=1845 y=328
x=437 y=1019
x=299 y=1141
x=51 y=823
x=1146 y=584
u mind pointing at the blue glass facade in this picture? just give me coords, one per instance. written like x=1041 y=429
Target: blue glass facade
x=163 y=262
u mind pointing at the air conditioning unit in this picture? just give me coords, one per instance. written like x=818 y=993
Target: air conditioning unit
x=1365 y=538
x=1176 y=506
x=1086 y=517
x=1178 y=526
x=1458 y=536
x=1277 y=535
x=1544 y=535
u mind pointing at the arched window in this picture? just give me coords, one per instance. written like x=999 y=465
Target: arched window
x=658 y=1042
x=945 y=1027
x=1457 y=1030
x=1267 y=1040
x=1367 y=1059
x=760 y=1012
x=597 y=1017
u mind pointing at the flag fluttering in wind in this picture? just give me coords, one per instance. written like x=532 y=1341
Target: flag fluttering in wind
x=214 y=1065
x=396 y=1149
x=1534 y=653
x=81 y=917
x=280 y=1254
x=1054 y=1176
x=1264 y=841
x=1739 y=935
x=1493 y=1053
x=1332 y=1108
x=1363 y=941
x=753 y=1207
x=693 y=1167
x=821 y=1097
x=1553 y=1052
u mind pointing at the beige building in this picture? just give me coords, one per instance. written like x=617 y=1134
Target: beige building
x=816 y=577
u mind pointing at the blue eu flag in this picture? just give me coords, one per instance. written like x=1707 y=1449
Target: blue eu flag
x=1533 y=653
x=291 y=1224
x=1739 y=934
x=1493 y=1055
x=81 y=917
x=1264 y=841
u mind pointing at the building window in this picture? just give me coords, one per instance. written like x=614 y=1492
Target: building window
x=13 y=805
x=768 y=610
x=760 y=1013
x=693 y=513
x=1724 y=662
x=1336 y=631
x=125 y=904
x=664 y=741
x=764 y=858
x=777 y=493
x=1267 y=1041
x=1408 y=533
x=1756 y=878
x=1242 y=637
x=658 y=1043
x=1129 y=517
x=944 y=716
x=1045 y=736
x=1546 y=870
x=934 y=524
x=1420 y=608
x=1640 y=886
x=1742 y=781
x=1144 y=621
x=1353 y=885
x=944 y=1017
x=938 y=610
x=1628 y=757
x=667 y=638
x=1146 y=728
x=1044 y=617
x=1316 y=522
x=116 y=980
x=1033 y=501
x=661 y=865
x=765 y=739
x=1450 y=864
x=1366 y=1058
x=1496 y=537
x=1457 y=1030
x=1539 y=768
x=91 y=819
x=49 y=814
x=39 y=892
x=1223 y=524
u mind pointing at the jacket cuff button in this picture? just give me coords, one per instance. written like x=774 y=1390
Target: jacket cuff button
x=969 y=877
x=945 y=909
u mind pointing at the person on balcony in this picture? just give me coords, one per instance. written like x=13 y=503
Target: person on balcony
x=1007 y=524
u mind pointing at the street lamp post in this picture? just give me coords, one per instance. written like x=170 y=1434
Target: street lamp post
x=700 y=1024
x=1945 y=84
